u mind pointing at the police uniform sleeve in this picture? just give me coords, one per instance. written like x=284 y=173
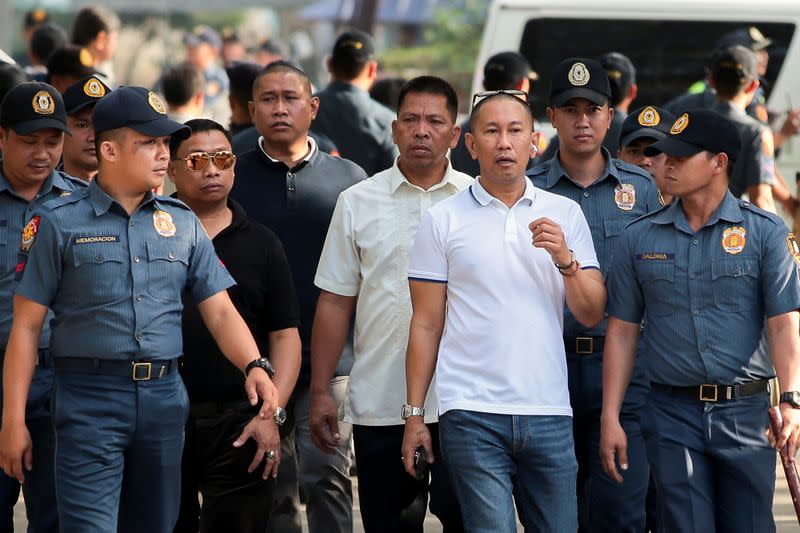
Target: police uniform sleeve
x=764 y=150
x=428 y=260
x=339 y=269
x=624 y=294
x=780 y=267
x=282 y=309
x=579 y=239
x=39 y=267
x=207 y=276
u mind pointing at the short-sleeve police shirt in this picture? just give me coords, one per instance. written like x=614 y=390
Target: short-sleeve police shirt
x=706 y=293
x=114 y=281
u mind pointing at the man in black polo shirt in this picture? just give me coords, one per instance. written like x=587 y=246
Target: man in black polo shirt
x=237 y=482
x=290 y=186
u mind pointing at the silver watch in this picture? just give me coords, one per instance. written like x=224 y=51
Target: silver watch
x=280 y=415
x=411 y=410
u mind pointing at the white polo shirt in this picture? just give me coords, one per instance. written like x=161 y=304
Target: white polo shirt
x=366 y=255
x=502 y=349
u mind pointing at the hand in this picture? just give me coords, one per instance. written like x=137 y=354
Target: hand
x=416 y=435
x=266 y=434
x=548 y=236
x=613 y=444
x=258 y=385
x=792 y=123
x=790 y=433
x=15 y=449
x=324 y=422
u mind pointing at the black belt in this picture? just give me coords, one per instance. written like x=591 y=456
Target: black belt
x=584 y=345
x=136 y=370
x=715 y=393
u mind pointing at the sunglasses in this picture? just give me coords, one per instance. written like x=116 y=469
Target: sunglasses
x=478 y=97
x=198 y=161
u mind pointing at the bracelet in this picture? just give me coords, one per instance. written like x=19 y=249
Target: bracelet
x=567 y=267
x=574 y=272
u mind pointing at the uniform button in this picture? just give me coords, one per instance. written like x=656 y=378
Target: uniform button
x=139 y=297
x=136 y=259
x=696 y=312
x=130 y=223
x=171 y=255
x=139 y=335
x=703 y=349
x=586 y=195
x=99 y=258
x=692 y=276
x=695 y=241
x=289 y=174
x=735 y=272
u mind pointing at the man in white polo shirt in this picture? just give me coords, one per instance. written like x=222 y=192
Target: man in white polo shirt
x=490 y=271
x=364 y=268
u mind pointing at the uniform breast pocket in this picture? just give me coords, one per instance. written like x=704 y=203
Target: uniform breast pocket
x=103 y=269
x=735 y=283
x=167 y=267
x=657 y=279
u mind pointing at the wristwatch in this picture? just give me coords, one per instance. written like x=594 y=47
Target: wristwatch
x=791 y=397
x=408 y=411
x=280 y=415
x=262 y=363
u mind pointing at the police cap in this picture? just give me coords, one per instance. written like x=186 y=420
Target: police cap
x=646 y=123
x=34 y=17
x=203 y=34
x=84 y=93
x=31 y=107
x=136 y=108
x=579 y=78
x=734 y=63
x=355 y=46
x=749 y=37
x=698 y=130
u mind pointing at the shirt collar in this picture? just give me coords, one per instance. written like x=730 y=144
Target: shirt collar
x=557 y=172
x=726 y=107
x=312 y=147
x=728 y=210
x=101 y=201
x=397 y=178
x=483 y=197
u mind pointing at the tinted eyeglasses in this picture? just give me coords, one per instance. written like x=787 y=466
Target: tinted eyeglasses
x=198 y=161
x=478 y=97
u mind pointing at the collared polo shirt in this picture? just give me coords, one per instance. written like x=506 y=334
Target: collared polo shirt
x=114 y=281
x=366 y=255
x=708 y=292
x=502 y=349
x=622 y=193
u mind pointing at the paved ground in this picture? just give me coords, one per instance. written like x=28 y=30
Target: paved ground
x=783 y=511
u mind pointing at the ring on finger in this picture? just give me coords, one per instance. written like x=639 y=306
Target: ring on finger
x=271 y=454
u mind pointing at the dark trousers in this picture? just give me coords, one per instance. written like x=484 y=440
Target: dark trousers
x=233 y=499
x=392 y=501
x=118 y=452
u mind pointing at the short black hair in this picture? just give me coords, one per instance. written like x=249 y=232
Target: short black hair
x=180 y=83
x=11 y=75
x=473 y=116
x=242 y=75
x=109 y=135
x=70 y=60
x=46 y=39
x=387 y=91
x=90 y=21
x=283 y=66
x=430 y=85
x=198 y=125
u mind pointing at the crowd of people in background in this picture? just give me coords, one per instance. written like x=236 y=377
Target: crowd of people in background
x=411 y=293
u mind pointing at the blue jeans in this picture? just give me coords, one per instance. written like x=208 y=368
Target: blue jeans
x=495 y=460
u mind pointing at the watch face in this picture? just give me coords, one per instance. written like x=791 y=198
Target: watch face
x=280 y=416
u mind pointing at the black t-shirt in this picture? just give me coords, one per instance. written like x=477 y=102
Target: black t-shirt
x=264 y=295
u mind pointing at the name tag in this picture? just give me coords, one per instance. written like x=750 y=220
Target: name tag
x=96 y=238
x=656 y=256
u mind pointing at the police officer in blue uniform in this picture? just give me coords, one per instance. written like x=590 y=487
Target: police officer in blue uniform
x=32 y=125
x=611 y=194
x=111 y=262
x=708 y=270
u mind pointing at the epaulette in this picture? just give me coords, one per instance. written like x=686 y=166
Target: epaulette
x=541 y=168
x=775 y=219
x=79 y=182
x=647 y=215
x=633 y=169
x=65 y=199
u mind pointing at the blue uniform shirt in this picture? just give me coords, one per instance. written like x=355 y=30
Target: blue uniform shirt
x=623 y=194
x=706 y=294
x=114 y=282
x=15 y=212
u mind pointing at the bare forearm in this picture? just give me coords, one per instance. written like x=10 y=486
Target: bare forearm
x=18 y=369
x=423 y=350
x=619 y=358
x=284 y=350
x=586 y=296
x=328 y=337
x=784 y=344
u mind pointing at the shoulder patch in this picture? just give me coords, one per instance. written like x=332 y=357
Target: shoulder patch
x=29 y=233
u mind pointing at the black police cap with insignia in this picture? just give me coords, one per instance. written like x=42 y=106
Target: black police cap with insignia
x=136 y=108
x=84 y=93
x=31 y=107
x=579 y=78
x=353 y=45
x=648 y=122
x=699 y=130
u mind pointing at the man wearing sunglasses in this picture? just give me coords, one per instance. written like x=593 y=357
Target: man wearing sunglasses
x=611 y=194
x=290 y=186
x=236 y=483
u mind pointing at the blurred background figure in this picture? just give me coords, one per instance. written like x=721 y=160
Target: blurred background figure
x=183 y=91
x=67 y=65
x=622 y=78
x=232 y=48
x=386 y=91
x=96 y=28
x=203 y=47
x=241 y=76
x=269 y=50
x=46 y=39
x=32 y=20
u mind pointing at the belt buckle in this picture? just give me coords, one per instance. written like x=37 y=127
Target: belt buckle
x=709 y=393
x=135 y=371
x=584 y=345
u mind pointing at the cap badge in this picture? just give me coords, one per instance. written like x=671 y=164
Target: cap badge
x=649 y=117
x=43 y=103
x=625 y=196
x=86 y=58
x=680 y=124
x=734 y=240
x=578 y=75
x=163 y=223
x=614 y=73
x=156 y=103
x=94 y=88
x=358 y=45
x=39 y=15
x=794 y=249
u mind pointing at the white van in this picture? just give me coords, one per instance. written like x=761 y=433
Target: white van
x=669 y=42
